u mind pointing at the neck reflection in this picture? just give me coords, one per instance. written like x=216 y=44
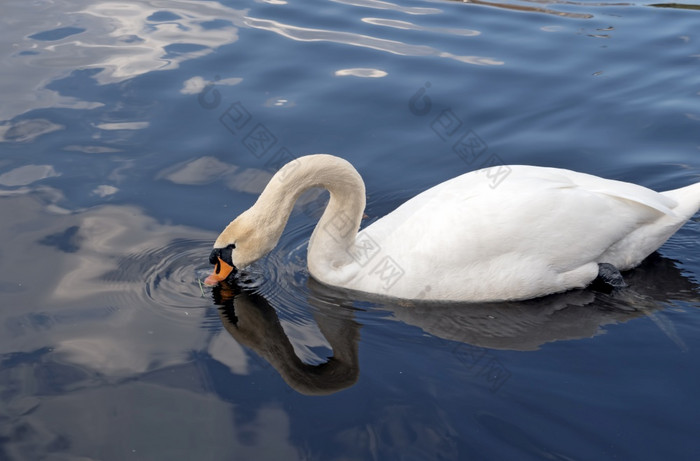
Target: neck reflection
x=253 y=322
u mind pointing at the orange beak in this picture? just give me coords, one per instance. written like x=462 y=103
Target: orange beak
x=221 y=271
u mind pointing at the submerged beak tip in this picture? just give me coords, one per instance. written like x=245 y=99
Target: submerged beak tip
x=211 y=281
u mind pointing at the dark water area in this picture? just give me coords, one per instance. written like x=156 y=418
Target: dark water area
x=132 y=132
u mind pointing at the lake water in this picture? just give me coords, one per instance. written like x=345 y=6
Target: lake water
x=132 y=132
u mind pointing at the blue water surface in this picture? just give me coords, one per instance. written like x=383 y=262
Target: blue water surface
x=132 y=132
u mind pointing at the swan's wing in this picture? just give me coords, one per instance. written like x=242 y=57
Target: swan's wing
x=528 y=193
x=612 y=188
x=537 y=219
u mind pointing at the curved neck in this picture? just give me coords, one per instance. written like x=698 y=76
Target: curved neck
x=335 y=232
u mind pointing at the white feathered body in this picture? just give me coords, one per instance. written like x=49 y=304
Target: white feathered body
x=540 y=231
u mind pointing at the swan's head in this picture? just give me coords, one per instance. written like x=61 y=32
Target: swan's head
x=245 y=240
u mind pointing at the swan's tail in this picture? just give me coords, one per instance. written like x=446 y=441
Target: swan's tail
x=688 y=199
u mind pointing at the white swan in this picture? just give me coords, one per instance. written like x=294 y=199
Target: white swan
x=540 y=231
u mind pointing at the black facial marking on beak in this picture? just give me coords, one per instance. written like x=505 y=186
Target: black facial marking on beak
x=214 y=256
x=223 y=253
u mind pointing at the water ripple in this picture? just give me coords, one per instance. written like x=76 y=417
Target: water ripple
x=174 y=274
x=380 y=5
x=405 y=25
x=306 y=34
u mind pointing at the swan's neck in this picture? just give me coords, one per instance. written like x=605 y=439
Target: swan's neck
x=337 y=229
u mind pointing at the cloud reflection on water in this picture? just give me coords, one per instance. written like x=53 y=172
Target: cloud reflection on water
x=121 y=39
x=91 y=328
x=61 y=264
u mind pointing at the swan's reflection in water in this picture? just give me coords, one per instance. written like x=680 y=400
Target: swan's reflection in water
x=522 y=326
x=253 y=322
x=577 y=314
